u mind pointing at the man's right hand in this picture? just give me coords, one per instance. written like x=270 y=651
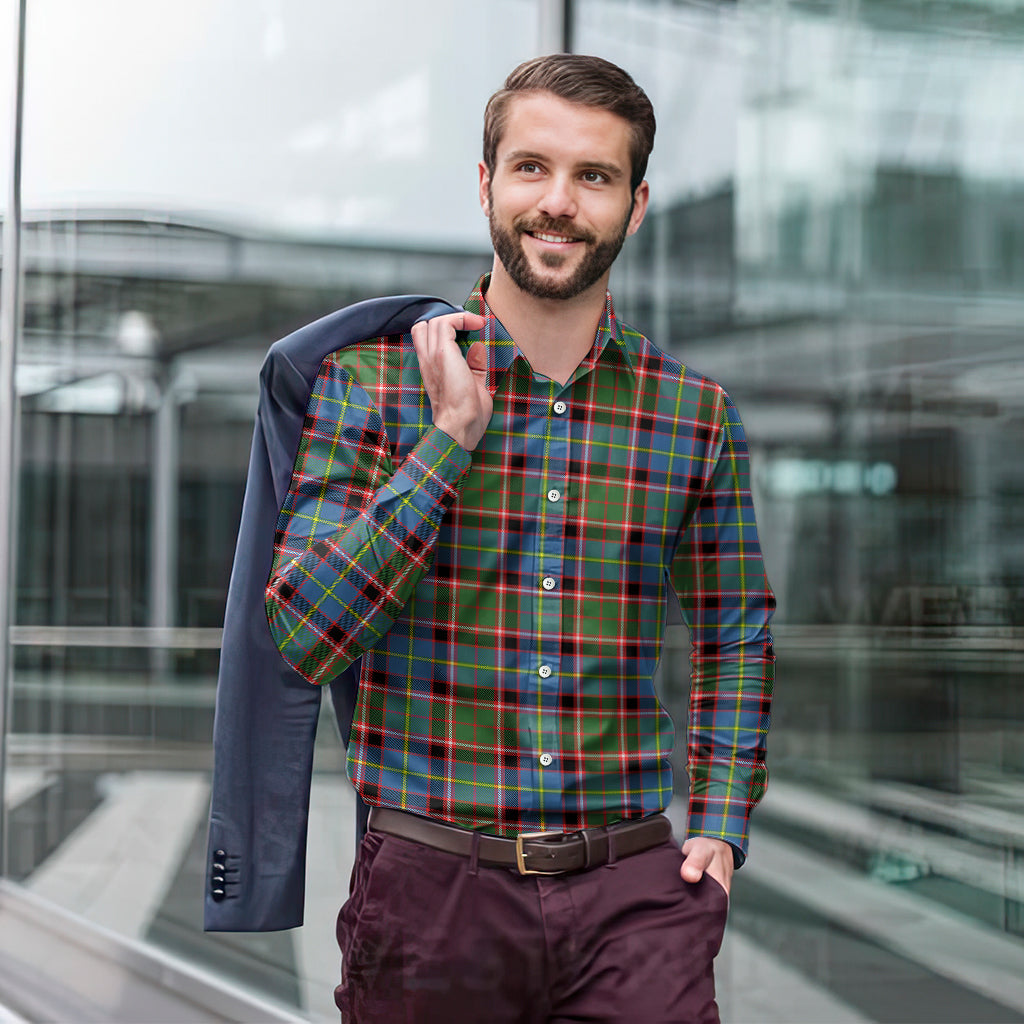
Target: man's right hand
x=456 y=386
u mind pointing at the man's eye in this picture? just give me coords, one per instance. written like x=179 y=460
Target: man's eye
x=529 y=168
x=593 y=177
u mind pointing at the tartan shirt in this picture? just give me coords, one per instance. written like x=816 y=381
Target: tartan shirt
x=509 y=604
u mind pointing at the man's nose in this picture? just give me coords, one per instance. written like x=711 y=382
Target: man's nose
x=559 y=198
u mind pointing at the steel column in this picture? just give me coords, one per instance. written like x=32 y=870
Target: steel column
x=10 y=322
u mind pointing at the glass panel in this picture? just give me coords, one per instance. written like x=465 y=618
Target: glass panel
x=201 y=178
x=8 y=26
x=836 y=235
x=8 y=55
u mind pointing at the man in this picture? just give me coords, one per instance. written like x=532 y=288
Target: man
x=491 y=514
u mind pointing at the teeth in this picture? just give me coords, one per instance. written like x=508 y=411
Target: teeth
x=551 y=238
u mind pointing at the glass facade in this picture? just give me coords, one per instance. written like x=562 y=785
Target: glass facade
x=840 y=244
x=836 y=234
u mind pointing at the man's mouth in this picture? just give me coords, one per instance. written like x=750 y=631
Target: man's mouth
x=545 y=236
x=554 y=237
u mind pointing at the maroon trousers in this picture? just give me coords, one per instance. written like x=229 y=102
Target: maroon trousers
x=429 y=937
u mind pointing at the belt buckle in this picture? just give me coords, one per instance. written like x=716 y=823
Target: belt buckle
x=521 y=854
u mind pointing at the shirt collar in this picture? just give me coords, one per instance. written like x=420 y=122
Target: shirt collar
x=502 y=349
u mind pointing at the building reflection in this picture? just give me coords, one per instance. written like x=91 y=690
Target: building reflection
x=854 y=279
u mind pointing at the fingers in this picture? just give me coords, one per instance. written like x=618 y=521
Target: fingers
x=443 y=327
x=435 y=343
x=696 y=864
x=456 y=386
x=462 y=320
x=434 y=339
x=472 y=321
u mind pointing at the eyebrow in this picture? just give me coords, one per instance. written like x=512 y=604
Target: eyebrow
x=611 y=170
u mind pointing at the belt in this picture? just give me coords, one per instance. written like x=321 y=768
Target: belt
x=531 y=853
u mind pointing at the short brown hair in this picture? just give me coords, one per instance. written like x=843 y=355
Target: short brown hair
x=577 y=78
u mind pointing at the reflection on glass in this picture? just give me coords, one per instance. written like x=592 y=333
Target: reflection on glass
x=8 y=25
x=854 y=278
x=836 y=234
x=200 y=179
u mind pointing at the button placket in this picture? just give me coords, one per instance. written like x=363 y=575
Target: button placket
x=551 y=506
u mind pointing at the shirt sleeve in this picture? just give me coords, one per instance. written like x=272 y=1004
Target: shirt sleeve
x=355 y=535
x=727 y=603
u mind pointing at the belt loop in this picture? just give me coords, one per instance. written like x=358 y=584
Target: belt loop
x=585 y=833
x=474 y=853
x=611 y=848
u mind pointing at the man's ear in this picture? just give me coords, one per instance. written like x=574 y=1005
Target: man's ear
x=485 y=186
x=641 y=197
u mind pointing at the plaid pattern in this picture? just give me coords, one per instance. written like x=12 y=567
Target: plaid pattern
x=509 y=605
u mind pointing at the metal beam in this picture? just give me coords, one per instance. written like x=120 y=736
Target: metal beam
x=163 y=548
x=554 y=26
x=10 y=318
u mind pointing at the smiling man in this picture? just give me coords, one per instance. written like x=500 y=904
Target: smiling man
x=491 y=515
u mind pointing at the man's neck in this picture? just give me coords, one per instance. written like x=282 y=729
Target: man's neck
x=553 y=334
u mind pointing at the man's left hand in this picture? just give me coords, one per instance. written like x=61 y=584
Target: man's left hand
x=714 y=856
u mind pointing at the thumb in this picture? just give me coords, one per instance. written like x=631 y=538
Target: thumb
x=695 y=862
x=477 y=357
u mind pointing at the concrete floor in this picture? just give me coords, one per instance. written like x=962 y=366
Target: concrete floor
x=810 y=941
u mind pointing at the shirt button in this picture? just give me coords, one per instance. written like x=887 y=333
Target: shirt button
x=546 y=759
x=548 y=583
x=544 y=671
x=554 y=495
x=559 y=407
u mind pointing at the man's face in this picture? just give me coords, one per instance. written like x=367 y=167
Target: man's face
x=559 y=202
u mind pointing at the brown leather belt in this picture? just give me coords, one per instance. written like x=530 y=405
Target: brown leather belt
x=531 y=853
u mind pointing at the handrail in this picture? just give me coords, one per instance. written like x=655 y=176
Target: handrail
x=168 y=637
x=53 y=960
x=793 y=637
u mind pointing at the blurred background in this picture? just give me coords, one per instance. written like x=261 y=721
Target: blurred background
x=836 y=234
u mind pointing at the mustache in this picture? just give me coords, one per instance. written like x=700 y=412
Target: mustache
x=552 y=226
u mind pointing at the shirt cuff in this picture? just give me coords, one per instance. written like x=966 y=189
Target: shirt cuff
x=433 y=469
x=721 y=809
x=738 y=854
x=441 y=455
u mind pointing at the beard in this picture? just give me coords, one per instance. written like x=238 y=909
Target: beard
x=597 y=258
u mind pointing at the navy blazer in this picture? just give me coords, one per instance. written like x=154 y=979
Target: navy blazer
x=266 y=714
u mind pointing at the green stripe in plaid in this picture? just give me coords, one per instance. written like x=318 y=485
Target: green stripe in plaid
x=509 y=606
